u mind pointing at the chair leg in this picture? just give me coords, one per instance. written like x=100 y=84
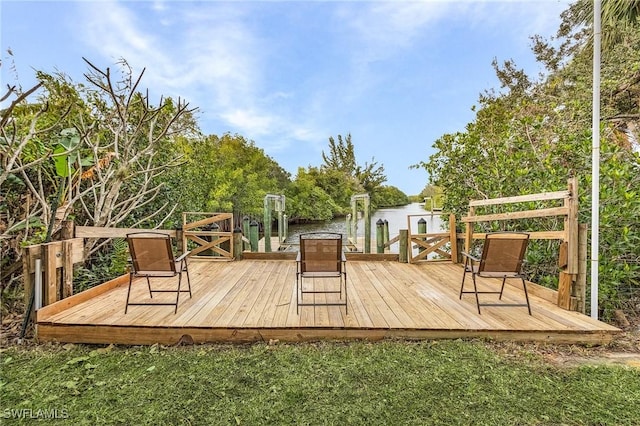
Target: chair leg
x=149 y=286
x=504 y=279
x=297 y=293
x=346 y=299
x=464 y=275
x=186 y=269
x=475 y=290
x=526 y=295
x=178 y=292
x=126 y=308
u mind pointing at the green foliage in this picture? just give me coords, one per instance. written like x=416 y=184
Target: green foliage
x=306 y=200
x=341 y=155
x=389 y=196
x=103 y=266
x=531 y=136
x=447 y=382
x=342 y=177
x=225 y=174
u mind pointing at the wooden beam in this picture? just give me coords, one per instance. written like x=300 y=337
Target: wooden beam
x=526 y=214
x=453 y=238
x=557 y=195
x=571 y=205
x=562 y=255
x=101 y=232
x=67 y=268
x=404 y=246
x=217 y=217
x=436 y=235
x=35 y=252
x=536 y=235
x=50 y=276
x=564 y=290
x=468 y=235
x=27 y=273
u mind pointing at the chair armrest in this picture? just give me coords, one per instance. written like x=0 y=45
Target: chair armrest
x=472 y=257
x=183 y=256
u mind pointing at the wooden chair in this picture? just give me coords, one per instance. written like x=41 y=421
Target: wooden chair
x=152 y=257
x=321 y=256
x=502 y=257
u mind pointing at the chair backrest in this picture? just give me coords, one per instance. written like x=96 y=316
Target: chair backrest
x=503 y=252
x=321 y=252
x=151 y=253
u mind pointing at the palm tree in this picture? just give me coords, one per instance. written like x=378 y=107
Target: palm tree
x=617 y=16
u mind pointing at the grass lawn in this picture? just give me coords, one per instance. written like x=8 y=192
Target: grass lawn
x=383 y=383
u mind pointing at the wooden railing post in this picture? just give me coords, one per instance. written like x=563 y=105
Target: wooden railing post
x=379 y=236
x=569 y=273
x=267 y=226
x=404 y=246
x=67 y=230
x=50 y=276
x=572 y=226
x=253 y=235
x=468 y=235
x=67 y=269
x=237 y=243
x=245 y=226
x=453 y=240
x=422 y=229
x=180 y=240
x=27 y=279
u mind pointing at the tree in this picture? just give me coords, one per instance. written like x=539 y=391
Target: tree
x=341 y=155
x=308 y=201
x=95 y=151
x=389 y=196
x=226 y=174
x=532 y=135
x=341 y=161
x=618 y=16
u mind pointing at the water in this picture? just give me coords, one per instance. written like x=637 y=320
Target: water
x=398 y=218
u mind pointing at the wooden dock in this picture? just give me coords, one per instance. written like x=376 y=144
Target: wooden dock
x=254 y=300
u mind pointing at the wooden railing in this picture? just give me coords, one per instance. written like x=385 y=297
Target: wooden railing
x=50 y=265
x=433 y=243
x=572 y=277
x=198 y=233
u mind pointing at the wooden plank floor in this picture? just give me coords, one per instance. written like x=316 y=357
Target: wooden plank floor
x=254 y=300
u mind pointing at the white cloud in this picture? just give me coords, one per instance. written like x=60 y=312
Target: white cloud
x=216 y=55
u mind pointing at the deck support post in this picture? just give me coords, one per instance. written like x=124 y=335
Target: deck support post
x=571 y=269
x=379 y=236
x=453 y=238
x=237 y=243
x=422 y=229
x=253 y=235
x=267 y=226
x=246 y=227
x=404 y=246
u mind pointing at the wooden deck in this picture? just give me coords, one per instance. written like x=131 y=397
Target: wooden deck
x=254 y=300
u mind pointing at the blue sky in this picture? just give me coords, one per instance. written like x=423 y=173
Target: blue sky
x=288 y=75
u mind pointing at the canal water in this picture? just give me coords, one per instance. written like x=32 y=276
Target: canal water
x=397 y=217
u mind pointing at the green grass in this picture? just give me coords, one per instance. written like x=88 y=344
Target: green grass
x=385 y=383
